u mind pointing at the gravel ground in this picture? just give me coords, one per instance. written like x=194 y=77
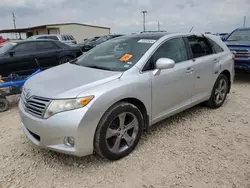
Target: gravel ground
x=200 y=148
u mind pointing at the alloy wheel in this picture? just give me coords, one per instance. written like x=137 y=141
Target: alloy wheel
x=122 y=132
x=220 y=91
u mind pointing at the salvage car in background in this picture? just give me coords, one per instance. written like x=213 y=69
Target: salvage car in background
x=120 y=88
x=67 y=39
x=93 y=43
x=239 y=42
x=20 y=57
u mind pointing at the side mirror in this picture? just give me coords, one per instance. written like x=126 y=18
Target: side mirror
x=223 y=38
x=165 y=63
x=11 y=53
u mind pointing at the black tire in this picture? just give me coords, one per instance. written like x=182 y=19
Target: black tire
x=211 y=103
x=101 y=145
x=65 y=59
x=4 y=104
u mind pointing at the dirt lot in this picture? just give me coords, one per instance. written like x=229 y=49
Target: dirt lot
x=199 y=148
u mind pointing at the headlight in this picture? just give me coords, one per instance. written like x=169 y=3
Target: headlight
x=62 y=105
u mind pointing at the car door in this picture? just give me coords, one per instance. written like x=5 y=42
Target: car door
x=47 y=54
x=172 y=88
x=20 y=59
x=204 y=61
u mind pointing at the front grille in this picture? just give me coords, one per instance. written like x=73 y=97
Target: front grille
x=35 y=105
x=241 y=54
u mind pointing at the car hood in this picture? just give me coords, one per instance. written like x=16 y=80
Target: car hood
x=67 y=81
x=237 y=43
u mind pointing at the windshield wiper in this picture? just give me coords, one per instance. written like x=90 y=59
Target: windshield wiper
x=102 y=68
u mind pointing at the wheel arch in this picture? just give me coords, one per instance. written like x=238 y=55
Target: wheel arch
x=228 y=75
x=141 y=106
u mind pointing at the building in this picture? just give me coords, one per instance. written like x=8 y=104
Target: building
x=79 y=31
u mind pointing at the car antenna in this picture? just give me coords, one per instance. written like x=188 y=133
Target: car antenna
x=191 y=29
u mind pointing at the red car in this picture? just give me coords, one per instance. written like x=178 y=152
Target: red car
x=2 y=40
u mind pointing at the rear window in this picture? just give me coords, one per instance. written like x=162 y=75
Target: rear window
x=215 y=46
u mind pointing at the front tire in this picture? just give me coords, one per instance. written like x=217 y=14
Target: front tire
x=219 y=93
x=118 y=131
x=4 y=104
x=65 y=59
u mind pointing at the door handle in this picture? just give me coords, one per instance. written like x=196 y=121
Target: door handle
x=189 y=70
x=216 y=60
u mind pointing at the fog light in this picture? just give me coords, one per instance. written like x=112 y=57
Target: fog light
x=69 y=141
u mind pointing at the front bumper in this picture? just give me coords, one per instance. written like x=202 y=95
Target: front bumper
x=50 y=133
x=242 y=66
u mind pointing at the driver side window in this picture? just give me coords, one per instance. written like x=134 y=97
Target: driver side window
x=174 y=49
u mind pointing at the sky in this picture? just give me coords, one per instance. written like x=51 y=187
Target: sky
x=124 y=16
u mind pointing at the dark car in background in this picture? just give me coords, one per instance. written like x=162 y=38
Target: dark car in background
x=239 y=42
x=88 y=45
x=24 y=57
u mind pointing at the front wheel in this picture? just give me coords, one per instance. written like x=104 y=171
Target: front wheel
x=219 y=93
x=4 y=104
x=65 y=59
x=118 y=131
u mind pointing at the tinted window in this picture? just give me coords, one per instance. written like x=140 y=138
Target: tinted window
x=7 y=46
x=28 y=46
x=216 y=47
x=200 y=47
x=173 y=49
x=45 y=45
x=52 y=37
x=43 y=37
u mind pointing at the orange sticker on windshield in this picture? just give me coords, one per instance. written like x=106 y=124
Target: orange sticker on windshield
x=126 y=57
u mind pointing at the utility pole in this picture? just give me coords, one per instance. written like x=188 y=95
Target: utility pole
x=144 y=12
x=14 y=22
x=158 y=26
x=244 y=23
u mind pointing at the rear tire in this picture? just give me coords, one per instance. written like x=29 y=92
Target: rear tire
x=219 y=93
x=118 y=131
x=4 y=104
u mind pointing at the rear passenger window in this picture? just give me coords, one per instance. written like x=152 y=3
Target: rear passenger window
x=215 y=46
x=174 y=49
x=64 y=37
x=200 y=47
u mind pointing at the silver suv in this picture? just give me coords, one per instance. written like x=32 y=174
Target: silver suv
x=102 y=101
x=67 y=39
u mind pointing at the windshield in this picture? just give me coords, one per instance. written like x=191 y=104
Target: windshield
x=119 y=54
x=6 y=46
x=239 y=35
x=101 y=39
